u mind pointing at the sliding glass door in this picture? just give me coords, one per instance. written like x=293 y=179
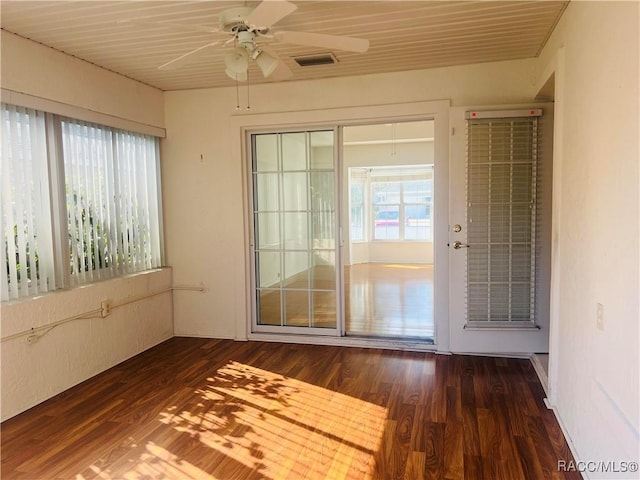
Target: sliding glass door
x=295 y=246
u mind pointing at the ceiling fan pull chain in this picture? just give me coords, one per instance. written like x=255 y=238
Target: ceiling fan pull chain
x=237 y=94
x=248 y=100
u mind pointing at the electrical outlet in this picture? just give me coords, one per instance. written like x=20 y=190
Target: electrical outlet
x=105 y=309
x=600 y=316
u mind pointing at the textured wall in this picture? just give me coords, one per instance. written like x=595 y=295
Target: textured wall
x=77 y=350
x=594 y=373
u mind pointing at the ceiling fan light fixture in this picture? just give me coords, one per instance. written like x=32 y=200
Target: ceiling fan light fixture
x=266 y=62
x=237 y=62
x=240 y=77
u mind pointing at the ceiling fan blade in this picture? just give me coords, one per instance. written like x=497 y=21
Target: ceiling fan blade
x=187 y=57
x=282 y=71
x=176 y=26
x=349 y=44
x=269 y=12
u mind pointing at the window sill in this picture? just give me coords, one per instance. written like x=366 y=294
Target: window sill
x=81 y=286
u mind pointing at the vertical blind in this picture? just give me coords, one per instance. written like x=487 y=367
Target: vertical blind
x=502 y=156
x=66 y=183
x=112 y=200
x=26 y=238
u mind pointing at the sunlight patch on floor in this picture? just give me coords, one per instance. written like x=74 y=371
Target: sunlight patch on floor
x=407 y=266
x=249 y=421
x=156 y=462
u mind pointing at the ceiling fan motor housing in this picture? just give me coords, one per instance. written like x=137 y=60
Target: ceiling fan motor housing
x=233 y=19
x=246 y=40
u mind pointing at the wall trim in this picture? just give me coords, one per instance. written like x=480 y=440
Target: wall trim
x=542 y=374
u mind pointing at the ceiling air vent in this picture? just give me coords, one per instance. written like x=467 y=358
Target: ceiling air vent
x=319 y=59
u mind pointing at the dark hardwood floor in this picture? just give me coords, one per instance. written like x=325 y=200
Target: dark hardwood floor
x=217 y=409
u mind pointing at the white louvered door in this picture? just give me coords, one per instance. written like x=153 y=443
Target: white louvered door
x=494 y=232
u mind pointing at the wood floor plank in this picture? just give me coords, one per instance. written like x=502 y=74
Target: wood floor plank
x=453 y=450
x=415 y=466
x=209 y=409
x=434 y=451
x=528 y=458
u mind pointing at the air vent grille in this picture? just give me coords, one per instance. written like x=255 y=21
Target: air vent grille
x=319 y=59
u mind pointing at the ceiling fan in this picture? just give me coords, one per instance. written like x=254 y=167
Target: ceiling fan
x=250 y=32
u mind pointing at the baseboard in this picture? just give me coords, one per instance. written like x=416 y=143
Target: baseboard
x=385 y=344
x=540 y=371
x=567 y=438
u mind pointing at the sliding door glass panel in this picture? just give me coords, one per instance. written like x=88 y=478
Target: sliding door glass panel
x=268 y=230
x=323 y=274
x=266 y=158
x=268 y=191
x=270 y=306
x=294 y=189
x=324 y=308
x=296 y=308
x=321 y=153
x=322 y=191
x=296 y=234
x=294 y=151
x=296 y=269
x=268 y=265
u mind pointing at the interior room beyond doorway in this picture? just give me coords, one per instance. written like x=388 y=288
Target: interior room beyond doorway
x=388 y=255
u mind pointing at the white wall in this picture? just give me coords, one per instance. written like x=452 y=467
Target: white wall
x=77 y=350
x=594 y=374
x=203 y=179
x=391 y=252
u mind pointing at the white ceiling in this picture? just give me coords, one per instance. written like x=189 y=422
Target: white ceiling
x=403 y=35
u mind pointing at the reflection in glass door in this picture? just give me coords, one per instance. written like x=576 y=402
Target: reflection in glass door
x=294 y=222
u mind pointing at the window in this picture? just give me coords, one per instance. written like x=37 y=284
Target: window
x=356 y=202
x=386 y=210
x=112 y=201
x=106 y=202
x=26 y=236
x=416 y=205
x=398 y=207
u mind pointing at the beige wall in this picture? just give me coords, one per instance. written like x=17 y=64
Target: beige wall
x=52 y=76
x=77 y=350
x=594 y=374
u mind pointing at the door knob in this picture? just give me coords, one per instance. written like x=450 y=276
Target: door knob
x=458 y=245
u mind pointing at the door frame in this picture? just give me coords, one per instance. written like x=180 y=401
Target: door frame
x=240 y=127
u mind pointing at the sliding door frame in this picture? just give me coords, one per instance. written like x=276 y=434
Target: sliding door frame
x=255 y=327
x=243 y=125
